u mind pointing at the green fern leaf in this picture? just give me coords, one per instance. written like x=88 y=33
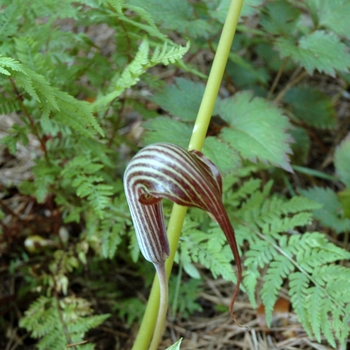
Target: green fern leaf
x=336 y=279
x=52 y=9
x=313 y=250
x=278 y=270
x=317 y=51
x=327 y=326
x=208 y=249
x=9 y=19
x=28 y=52
x=250 y=282
x=77 y=114
x=318 y=285
x=298 y=204
x=69 y=111
x=111 y=239
x=166 y=53
x=9 y=106
x=298 y=283
x=260 y=254
x=43 y=88
x=274 y=227
x=50 y=320
x=257 y=130
x=10 y=63
x=144 y=16
x=82 y=169
x=315 y=304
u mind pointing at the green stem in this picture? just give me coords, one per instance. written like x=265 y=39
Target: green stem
x=215 y=77
x=163 y=306
x=200 y=128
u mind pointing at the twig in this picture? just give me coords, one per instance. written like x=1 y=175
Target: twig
x=277 y=78
x=289 y=85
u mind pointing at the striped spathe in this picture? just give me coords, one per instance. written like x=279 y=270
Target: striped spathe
x=188 y=178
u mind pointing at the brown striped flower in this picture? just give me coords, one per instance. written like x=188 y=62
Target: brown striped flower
x=188 y=178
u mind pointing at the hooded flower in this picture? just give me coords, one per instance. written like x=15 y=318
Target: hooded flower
x=188 y=178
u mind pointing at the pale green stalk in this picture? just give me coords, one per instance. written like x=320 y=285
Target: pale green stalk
x=163 y=306
x=200 y=128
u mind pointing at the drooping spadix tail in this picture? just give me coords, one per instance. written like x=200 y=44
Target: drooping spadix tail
x=188 y=178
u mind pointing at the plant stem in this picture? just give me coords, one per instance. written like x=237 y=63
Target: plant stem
x=163 y=306
x=215 y=77
x=197 y=140
x=289 y=85
x=277 y=78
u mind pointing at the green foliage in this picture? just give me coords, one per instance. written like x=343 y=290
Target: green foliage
x=249 y=125
x=342 y=161
x=53 y=60
x=58 y=323
x=184 y=301
x=280 y=17
x=303 y=259
x=331 y=214
x=181 y=99
x=166 y=54
x=335 y=211
x=178 y=16
x=251 y=121
x=311 y=106
x=319 y=51
x=49 y=70
x=131 y=309
x=207 y=248
x=331 y=15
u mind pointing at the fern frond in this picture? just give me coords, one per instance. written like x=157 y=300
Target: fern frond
x=113 y=226
x=149 y=27
x=66 y=109
x=248 y=187
x=298 y=283
x=274 y=225
x=278 y=270
x=83 y=170
x=28 y=52
x=8 y=19
x=260 y=254
x=319 y=287
x=313 y=250
x=10 y=63
x=167 y=53
x=208 y=249
x=9 y=106
x=250 y=279
x=49 y=321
